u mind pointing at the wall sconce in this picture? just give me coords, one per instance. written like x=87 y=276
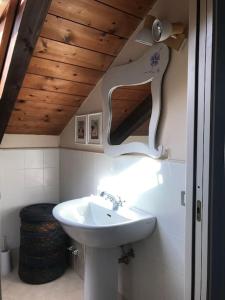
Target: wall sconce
x=158 y=31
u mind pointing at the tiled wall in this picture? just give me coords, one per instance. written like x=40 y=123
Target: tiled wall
x=157 y=272
x=32 y=176
x=26 y=177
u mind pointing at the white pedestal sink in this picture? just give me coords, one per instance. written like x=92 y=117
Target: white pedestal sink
x=92 y=222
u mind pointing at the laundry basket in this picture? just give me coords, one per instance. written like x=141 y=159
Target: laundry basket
x=43 y=245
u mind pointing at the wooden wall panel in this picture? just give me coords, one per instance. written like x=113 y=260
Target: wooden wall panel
x=65 y=31
x=96 y=15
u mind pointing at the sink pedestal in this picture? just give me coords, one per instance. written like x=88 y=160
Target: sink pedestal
x=101 y=274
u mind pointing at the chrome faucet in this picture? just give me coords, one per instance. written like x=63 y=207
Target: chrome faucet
x=116 y=200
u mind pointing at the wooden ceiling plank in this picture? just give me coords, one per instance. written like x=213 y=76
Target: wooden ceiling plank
x=40 y=66
x=56 y=85
x=18 y=117
x=28 y=128
x=73 y=55
x=29 y=106
x=138 y=8
x=27 y=94
x=28 y=23
x=72 y=33
x=96 y=15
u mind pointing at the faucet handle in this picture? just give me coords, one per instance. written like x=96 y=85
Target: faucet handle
x=102 y=194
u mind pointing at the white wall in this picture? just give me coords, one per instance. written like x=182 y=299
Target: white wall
x=157 y=272
x=29 y=141
x=27 y=176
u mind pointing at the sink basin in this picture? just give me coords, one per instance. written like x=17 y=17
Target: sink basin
x=91 y=221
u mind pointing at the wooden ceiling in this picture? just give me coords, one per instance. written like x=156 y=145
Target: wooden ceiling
x=78 y=42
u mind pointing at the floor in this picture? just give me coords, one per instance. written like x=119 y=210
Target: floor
x=68 y=287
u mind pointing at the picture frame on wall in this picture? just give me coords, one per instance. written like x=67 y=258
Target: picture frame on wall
x=95 y=128
x=81 y=129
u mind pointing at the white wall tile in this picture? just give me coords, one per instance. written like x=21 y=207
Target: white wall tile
x=33 y=195
x=22 y=183
x=13 y=159
x=51 y=177
x=13 y=180
x=51 y=194
x=34 y=177
x=34 y=159
x=51 y=158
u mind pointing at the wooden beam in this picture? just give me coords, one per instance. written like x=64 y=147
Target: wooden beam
x=3 y=8
x=140 y=115
x=28 y=24
x=6 y=24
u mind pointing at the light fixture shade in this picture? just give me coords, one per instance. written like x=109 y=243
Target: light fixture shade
x=144 y=36
x=161 y=30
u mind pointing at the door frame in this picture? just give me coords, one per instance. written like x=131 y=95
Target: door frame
x=192 y=95
x=205 y=185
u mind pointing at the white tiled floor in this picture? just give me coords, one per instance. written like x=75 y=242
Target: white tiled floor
x=67 y=287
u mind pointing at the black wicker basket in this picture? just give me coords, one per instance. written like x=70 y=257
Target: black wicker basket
x=43 y=245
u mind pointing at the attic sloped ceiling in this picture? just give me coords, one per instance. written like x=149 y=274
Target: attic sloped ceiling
x=78 y=42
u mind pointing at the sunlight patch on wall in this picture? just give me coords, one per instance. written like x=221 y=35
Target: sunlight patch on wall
x=135 y=180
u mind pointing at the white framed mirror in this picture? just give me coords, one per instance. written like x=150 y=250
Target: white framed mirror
x=132 y=104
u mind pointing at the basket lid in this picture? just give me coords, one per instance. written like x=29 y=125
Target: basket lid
x=38 y=213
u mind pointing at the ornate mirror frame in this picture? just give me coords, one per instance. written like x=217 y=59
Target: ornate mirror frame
x=151 y=67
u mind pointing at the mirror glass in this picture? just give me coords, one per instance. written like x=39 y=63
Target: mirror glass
x=131 y=112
